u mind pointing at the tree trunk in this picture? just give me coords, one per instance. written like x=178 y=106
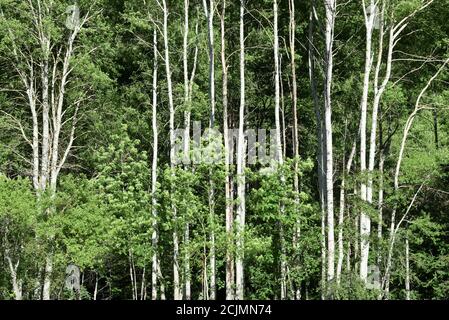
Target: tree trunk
x=331 y=9
x=187 y=285
x=177 y=293
x=228 y=189
x=292 y=40
x=407 y=270
x=96 y=287
x=241 y=207
x=365 y=221
x=154 y=212
x=209 y=12
x=16 y=283
x=279 y=153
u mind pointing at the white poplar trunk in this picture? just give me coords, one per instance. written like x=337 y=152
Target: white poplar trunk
x=228 y=190
x=177 y=293
x=407 y=270
x=16 y=283
x=365 y=221
x=330 y=6
x=154 y=212
x=241 y=207
x=209 y=12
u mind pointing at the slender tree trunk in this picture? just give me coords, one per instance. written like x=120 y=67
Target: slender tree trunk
x=16 y=283
x=187 y=285
x=365 y=221
x=154 y=211
x=96 y=287
x=292 y=40
x=45 y=150
x=228 y=190
x=47 y=279
x=209 y=11
x=279 y=153
x=330 y=6
x=241 y=207
x=407 y=270
x=177 y=293
x=143 y=285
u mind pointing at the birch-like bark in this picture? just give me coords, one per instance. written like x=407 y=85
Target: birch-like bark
x=230 y=277
x=95 y=288
x=279 y=153
x=209 y=12
x=51 y=161
x=241 y=206
x=177 y=292
x=292 y=39
x=378 y=92
x=16 y=283
x=365 y=221
x=187 y=282
x=154 y=211
x=407 y=270
x=331 y=10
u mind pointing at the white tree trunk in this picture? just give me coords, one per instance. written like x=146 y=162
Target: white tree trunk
x=279 y=153
x=209 y=12
x=241 y=207
x=187 y=281
x=330 y=6
x=16 y=283
x=365 y=221
x=228 y=189
x=407 y=270
x=292 y=40
x=154 y=212
x=177 y=293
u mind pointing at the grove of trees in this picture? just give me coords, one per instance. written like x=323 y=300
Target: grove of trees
x=218 y=149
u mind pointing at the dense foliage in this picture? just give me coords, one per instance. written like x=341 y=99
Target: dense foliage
x=78 y=99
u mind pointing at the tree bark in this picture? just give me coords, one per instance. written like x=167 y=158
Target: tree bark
x=365 y=221
x=154 y=211
x=279 y=153
x=230 y=276
x=177 y=293
x=241 y=207
x=209 y=12
x=407 y=270
x=330 y=6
